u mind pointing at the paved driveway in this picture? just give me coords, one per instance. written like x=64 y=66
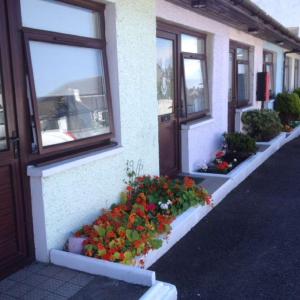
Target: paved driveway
x=249 y=246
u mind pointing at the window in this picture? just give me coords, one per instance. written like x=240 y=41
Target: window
x=269 y=66
x=68 y=75
x=296 y=78
x=182 y=83
x=242 y=74
x=194 y=76
x=287 y=74
x=165 y=76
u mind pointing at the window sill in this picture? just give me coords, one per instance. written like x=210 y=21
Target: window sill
x=54 y=168
x=197 y=123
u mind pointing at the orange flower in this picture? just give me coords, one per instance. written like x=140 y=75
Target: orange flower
x=188 y=182
x=111 y=235
x=132 y=218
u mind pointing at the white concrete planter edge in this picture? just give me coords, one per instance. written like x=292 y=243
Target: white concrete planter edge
x=100 y=267
x=161 y=291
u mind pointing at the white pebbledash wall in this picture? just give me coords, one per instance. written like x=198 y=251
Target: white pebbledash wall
x=201 y=139
x=72 y=193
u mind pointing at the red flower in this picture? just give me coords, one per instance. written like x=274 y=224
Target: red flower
x=208 y=200
x=151 y=207
x=140 y=228
x=223 y=166
x=220 y=154
x=130 y=188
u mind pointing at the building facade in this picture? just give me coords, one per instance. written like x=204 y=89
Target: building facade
x=110 y=82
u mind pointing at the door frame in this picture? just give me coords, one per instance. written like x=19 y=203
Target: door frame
x=235 y=104
x=12 y=12
x=164 y=34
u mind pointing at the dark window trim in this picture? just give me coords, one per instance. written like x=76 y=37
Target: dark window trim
x=86 y=4
x=240 y=103
x=199 y=57
x=296 y=73
x=168 y=28
x=68 y=148
x=287 y=67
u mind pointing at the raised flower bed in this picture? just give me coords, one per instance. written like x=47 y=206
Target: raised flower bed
x=236 y=149
x=131 y=229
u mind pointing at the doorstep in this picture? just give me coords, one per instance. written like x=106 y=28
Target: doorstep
x=46 y=281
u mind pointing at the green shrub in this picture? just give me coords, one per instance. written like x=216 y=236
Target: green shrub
x=297 y=91
x=262 y=125
x=288 y=106
x=239 y=144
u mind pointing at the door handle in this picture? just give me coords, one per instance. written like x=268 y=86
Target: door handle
x=15 y=141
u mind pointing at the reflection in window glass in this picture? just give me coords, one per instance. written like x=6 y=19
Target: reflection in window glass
x=165 y=76
x=268 y=57
x=242 y=54
x=243 y=82
x=71 y=95
x=192 y=44
x=60 y=17
x=195 y=78
x=3 y=142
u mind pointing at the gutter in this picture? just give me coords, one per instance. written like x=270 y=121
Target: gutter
x=263 y=15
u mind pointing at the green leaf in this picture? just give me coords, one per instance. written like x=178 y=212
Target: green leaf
x=156 y=243
x=101 y=252
x=116 y=255
x=135 y=235
x=101 y=231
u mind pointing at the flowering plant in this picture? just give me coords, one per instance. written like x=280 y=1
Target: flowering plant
x=132 y=227
x=236 y=148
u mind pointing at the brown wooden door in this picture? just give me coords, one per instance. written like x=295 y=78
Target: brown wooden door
x=231 y=93
x=13 y=244
x=168 y=104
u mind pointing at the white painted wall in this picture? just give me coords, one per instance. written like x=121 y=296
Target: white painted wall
x=66 y=196
x=200 y=140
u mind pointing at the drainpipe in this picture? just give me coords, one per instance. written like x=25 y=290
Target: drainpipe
x=284 y=61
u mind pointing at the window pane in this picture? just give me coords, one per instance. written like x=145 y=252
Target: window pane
x=165 y=76
x=3 y=142
x=195 y=80
x=56 y=16
x=70 y=90
x=268 y=57
x=242 y=54
x=192 y=44
x=243 y=82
